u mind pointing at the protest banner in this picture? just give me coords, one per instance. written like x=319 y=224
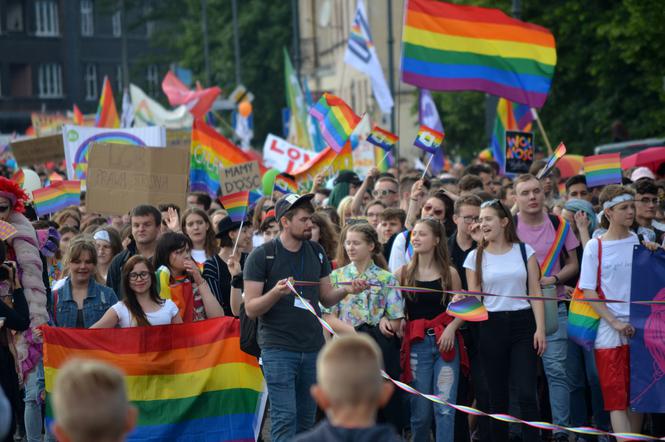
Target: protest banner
x=77 y=141
x=284 y=156
x=239 y=177
x=121 y=177
x=647 y=346
x=38 y=150
x=181 y=138
x=48 y=124
x=363 y=158
x=519 y=151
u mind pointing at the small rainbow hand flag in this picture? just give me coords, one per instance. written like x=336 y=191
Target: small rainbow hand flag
x=285 y=184
x=469 y=309
x=559 y=152
x=382 y=138
x=336 y=120
x=428 y=139
x=59 y=195
x=600 y=170
x=236 y=205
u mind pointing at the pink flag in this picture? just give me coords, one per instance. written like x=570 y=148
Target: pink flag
x=198 y=102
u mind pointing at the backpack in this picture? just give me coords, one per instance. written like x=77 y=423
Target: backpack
x=249 y=327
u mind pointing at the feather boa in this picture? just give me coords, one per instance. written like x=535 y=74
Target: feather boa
x=26 y=250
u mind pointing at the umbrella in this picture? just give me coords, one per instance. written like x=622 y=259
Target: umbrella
x=570 y=165
x=651 y=158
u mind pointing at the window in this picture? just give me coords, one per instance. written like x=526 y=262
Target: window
x=118 y=78
x=20 y=80
x=153 y=80
x=116 y=22
x=149 y=24
x=46 y=18
x=87 y=18
x=90 y=82
x=50 y=81
x=15 y=16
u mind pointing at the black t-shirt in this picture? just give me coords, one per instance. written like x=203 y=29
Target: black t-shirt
x=425 y=305
x=287 y=326
x=457 y=256
x=325 y=432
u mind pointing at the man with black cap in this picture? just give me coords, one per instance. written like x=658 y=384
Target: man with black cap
x=289 y=335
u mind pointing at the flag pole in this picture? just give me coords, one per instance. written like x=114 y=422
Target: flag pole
x=238 y=237
x=534 y=112
x=427 y=166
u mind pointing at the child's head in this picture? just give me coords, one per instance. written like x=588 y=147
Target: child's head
x=90 y=403
x=348 y=374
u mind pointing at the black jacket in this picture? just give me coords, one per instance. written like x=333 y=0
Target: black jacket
x=114 y=275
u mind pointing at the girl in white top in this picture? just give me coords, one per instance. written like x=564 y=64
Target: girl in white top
x=514 y=335
x=141 y=305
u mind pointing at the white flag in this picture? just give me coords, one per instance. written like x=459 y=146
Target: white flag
x=148 y=112
x=127 y=111
x=361 y=54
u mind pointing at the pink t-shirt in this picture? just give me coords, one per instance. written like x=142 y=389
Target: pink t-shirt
x=541 y=239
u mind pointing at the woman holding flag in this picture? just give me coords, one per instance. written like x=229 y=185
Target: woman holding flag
x=196 y=225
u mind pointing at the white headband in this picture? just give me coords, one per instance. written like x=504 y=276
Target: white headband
x=617 y=200
x=102 y=235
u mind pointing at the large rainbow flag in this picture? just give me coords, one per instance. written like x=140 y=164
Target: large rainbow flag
x=449 y=47
x=336 y=120
x=188 y=381
x=59 y=195
x=107 y=113
x=210 y=151
x=509 y=116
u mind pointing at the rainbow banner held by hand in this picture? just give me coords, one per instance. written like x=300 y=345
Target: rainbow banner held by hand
x=601 y=170
x=235 y=205
x=336 y=120
x=469 y=309
x=382 y=138
x=188 y=381
x=59 y=195
x=428 y=139
x=558 y=153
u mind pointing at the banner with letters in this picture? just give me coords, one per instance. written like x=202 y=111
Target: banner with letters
x=281 y=155
x=519 y=151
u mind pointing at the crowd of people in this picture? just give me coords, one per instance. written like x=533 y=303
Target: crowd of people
x=375 y=257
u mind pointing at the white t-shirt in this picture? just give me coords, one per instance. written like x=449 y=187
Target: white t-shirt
x=163 y=316
x=503 y=275
x=199 y=256
x=617 y=265
x=398 y=255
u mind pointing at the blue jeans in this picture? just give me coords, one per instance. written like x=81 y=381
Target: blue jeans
x=289 y=375
x=581 y=368
x=554 y=362
x=432 y=375
x=34 y=386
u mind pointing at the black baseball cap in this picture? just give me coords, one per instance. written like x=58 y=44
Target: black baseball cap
x=289 y=201
x=347 y=176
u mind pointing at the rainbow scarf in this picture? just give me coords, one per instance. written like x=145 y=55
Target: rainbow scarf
x=553 y=254
x=188 y=381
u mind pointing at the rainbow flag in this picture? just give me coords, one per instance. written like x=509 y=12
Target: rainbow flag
x=59 y=195
x=79 y=119
x=327 y=162
x=107 y=113
x=509 y=116
x=469 y=309
x=188 y=381
x=384 y=160
x=19 y=177
x=285 y=184
x=555 y=249
x=336 y=120
x=382 y=138
x=449 y=47
x=210 y=151
x=558 y=153
x=600 y=170
x=236 y=205
x=428 y=139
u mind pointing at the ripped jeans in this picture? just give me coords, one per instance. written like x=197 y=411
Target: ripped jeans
x=433 y=375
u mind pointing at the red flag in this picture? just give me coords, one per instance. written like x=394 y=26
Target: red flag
x=198 y=102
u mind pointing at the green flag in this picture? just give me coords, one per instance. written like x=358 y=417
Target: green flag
x=298 y=132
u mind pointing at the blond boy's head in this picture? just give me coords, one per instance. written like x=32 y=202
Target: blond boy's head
x=90 y=403
x=349 y=374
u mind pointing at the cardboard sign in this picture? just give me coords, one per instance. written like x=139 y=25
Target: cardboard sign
x=38 y=150
x=245 y=176
x=519 y=151
x=284 y=156
x=181 y=138
x=121 y=177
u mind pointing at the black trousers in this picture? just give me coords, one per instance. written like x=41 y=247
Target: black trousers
x=506 y=351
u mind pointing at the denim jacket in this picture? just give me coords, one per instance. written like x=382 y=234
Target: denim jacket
x=100 y=298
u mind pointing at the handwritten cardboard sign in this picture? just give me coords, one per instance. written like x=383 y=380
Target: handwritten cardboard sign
x=181 y=138
x=519 y=151
x=121 y=177
x=38 y=150
x=244 y=176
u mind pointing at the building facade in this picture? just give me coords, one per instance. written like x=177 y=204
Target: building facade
x=56 y=53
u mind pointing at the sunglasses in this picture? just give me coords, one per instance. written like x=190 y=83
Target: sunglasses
x=430 y=209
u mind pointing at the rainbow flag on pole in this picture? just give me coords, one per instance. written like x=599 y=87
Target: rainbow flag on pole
x=428 y=139
x=188 y=381
x=107 y=113
x=236 y=204
x=59 y=195
x=336 y=120
x=210 y=151
x=382 y=138
x=509 y=116
x=600 y=170
x=447 y=47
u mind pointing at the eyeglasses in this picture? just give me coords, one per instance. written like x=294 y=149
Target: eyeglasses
x=4 y=209
x=429 y=208
x=470 y=219
x=377 y=193
x=133 y=276
x=646 y=200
